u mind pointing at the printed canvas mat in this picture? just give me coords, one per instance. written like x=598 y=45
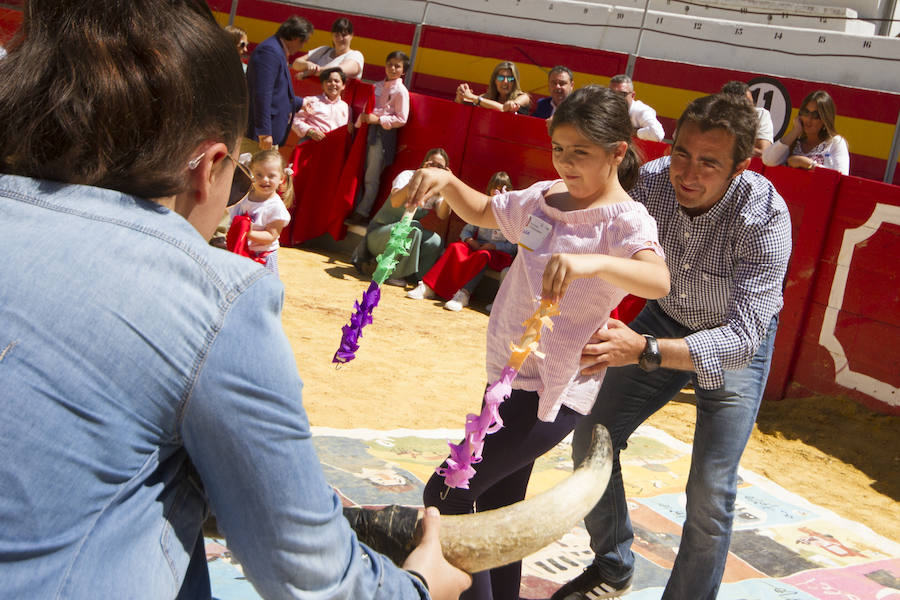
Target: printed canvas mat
x=783 y=547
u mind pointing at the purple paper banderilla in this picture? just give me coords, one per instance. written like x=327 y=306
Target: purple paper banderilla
x=352 y=331
x=468 y=452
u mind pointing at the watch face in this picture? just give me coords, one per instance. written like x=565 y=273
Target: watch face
x=650 y=358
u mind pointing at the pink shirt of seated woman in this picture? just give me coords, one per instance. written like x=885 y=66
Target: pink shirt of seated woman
x=325 y=112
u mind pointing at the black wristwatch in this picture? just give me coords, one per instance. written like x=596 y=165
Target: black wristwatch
x=649 y=359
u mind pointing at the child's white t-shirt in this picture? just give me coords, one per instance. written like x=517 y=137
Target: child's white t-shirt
x=261 y=215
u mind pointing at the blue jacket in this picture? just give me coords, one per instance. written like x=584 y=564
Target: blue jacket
x=543 y=109
x=272 y=99
x=145 y=376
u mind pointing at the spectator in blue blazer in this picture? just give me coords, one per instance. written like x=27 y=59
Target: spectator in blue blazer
x=272 y=99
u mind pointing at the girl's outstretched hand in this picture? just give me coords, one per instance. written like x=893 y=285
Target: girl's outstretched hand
x=563 y=269
x=425 y=183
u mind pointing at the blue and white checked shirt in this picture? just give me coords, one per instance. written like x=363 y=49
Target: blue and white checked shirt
x=727 y=266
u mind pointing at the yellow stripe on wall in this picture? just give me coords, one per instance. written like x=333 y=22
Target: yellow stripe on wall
x=374 y=51
x=865 y=137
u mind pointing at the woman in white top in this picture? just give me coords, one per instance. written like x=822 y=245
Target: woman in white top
x=338 y=55
x=812 y=140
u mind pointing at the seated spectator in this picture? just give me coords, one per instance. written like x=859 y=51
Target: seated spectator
x=560 y=82
x=812 y=139
x=426 y=245
x=149 y=377
x=765 y=132
x=390 y=114
x=325 y=112
x=340 y=54
x=643 y=118
x=240 y=42
x=503 y=94
x=460 y=268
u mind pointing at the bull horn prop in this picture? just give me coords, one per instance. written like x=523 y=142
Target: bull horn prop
x=493 y=538
x=498 y=537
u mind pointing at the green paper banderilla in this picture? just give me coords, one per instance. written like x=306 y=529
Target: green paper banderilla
x=398 y=245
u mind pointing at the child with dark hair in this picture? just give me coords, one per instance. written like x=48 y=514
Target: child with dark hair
x=584 y=244
x=325 y=112
x=390 y=113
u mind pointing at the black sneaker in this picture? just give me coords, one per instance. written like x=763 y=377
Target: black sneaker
x=591 y=585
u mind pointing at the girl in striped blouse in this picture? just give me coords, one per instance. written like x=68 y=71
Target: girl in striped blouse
x=583 y=243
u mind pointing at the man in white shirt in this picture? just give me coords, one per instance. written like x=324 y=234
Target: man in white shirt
x=765 y=134
x=642 y=116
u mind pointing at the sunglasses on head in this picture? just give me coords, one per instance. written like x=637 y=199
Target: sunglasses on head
x=505 y=78
x=809 y=113
x=240 y=182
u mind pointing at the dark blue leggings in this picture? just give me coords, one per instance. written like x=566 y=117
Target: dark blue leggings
x=501 y=479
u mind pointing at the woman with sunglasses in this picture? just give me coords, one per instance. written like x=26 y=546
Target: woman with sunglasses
x=241 y=42
x=426 y=245
x=339 y=54
x=146 y=377
x=812 y=140
x=503 y=94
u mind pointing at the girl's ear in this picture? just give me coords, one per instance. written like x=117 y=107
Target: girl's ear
x=619 y=151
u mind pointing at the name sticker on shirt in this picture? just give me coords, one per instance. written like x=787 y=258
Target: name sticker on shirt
x=536 y=231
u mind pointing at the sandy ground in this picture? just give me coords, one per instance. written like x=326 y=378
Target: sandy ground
x=420 y=366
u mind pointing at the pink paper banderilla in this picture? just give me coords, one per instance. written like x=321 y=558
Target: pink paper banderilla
x=459 y=468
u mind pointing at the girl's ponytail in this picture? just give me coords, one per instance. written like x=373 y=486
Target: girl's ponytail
x=630 y=167
x=286 y=189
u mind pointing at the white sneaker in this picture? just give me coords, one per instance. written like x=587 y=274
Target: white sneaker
x=460 y=299
x=421 y=291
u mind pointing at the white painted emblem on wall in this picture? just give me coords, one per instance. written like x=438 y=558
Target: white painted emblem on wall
x=843 y=374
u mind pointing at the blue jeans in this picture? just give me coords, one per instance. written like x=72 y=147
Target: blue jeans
x=725 y=418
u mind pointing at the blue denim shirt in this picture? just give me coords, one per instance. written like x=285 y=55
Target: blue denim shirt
x=144 y=377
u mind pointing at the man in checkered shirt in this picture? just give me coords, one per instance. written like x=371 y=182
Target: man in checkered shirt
x=727 y=237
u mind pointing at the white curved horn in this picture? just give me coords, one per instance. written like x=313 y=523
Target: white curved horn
x=498 y=537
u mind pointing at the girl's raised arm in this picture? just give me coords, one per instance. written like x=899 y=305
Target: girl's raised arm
x=471 y=205
x=645 y=274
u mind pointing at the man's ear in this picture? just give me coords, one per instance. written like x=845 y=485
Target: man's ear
x=740 y=167
x=208 y=168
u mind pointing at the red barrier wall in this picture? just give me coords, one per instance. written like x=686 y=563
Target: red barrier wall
x=810 y=199
x=849 y=337
x=840 y=327
x=10 y=19
x=823 y=205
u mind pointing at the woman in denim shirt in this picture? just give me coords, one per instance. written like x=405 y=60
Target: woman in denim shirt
x=146 y=378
